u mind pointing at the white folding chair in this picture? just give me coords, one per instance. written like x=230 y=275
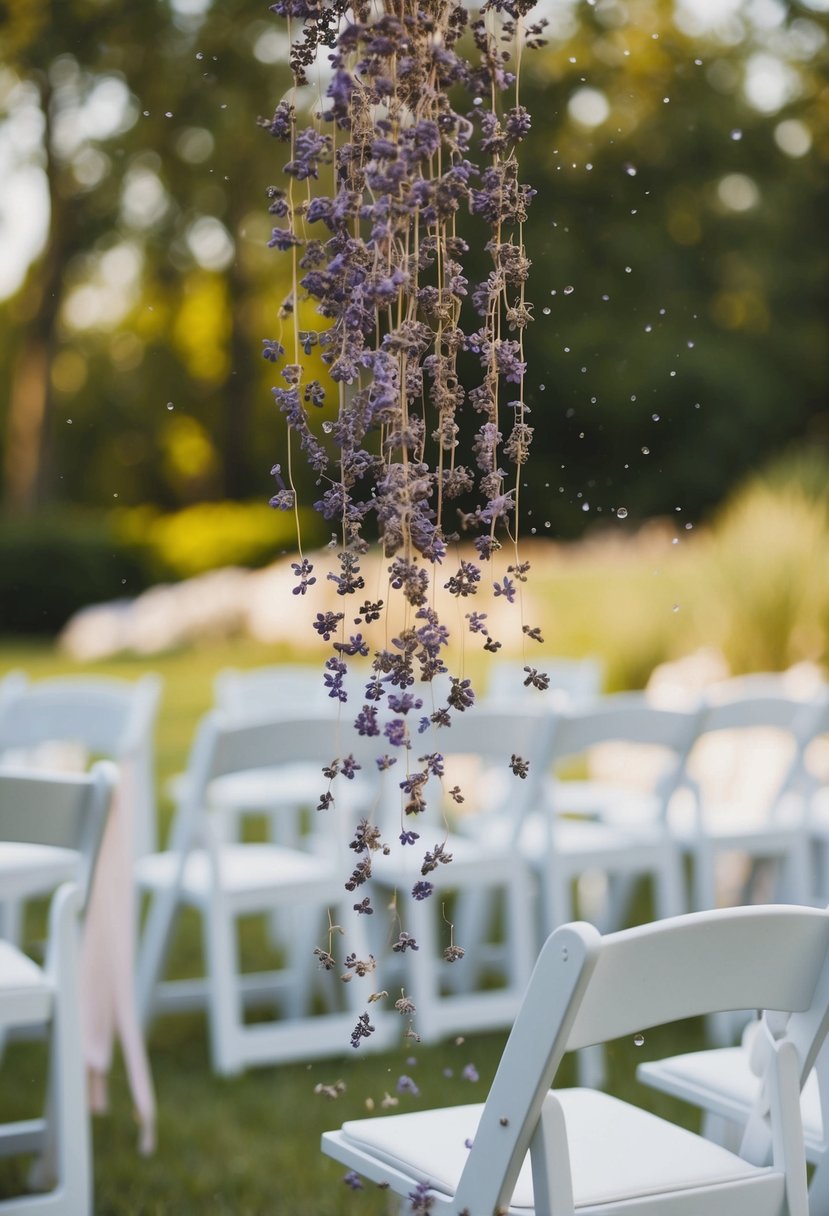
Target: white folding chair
x=731 y=803
x=608 y=830
x=484 y=877
x=725 y=1083
x=573 y=682
x=50 y=829
x=224 y=879
x=530 y=1149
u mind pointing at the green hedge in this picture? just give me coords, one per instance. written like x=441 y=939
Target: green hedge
x=52 y=565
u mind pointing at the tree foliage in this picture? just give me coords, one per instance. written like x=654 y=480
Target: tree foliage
x=678 y=242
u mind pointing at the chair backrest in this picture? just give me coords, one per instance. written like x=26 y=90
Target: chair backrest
x=282 y=689
x=477 y=749
x=63 y=810
x=223 y=746
x=576 y=681
x=628 y=719
x=587 y=989
x=748 y=745
x=105 y=717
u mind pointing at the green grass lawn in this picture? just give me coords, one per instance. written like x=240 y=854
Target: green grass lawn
x=250 y=1145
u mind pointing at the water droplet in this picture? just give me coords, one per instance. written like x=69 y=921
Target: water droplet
x=648 y=329
x=542 y=387
x=630 y=170
x=622 y=512
x=736 y=134
x=568 y=291
x=115 y=496
x=628 y=269
x=675 y=608
x=654 y=417
x=546 y=311
x=68 y=421
x=123 y=582
x=585 y=506
x=547 y=523
x=698 y=62
x=168 y=113
x=200 y=54
x=675 y=541
x=690 y=345
x=170 y=405
x=478 y=101
x=638 y=1040
x=646 y=451
x=328 y=427
x=146 y=113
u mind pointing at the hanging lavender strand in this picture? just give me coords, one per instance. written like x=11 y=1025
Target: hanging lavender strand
x=381 y=255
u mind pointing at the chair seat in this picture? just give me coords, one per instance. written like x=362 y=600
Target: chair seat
x=618 y=1152
x=721 y=1080
x=27 y=870
x=245 y=869
x=25 y=992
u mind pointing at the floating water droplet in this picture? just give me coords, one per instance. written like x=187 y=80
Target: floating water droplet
x=123 y=582
x=542 y=387
x=200 y=54
x=146 y=113
x=168 y=113
x=170 y=405
x=585 y=506
x=654 y=417
x=68 y=421
x=630 y=170
x=690 y=345
x=547 y=523
x=328 y=427
x=622 y=512
x=638 y=1040
x=628 y=269
x=478 y=101
x=675 y=541
x=568 y=291
x=675 y=608
x=646 y=451
x=736 y=134
x=546 y=311
x=648 y=329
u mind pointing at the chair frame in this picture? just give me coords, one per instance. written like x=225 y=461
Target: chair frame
x=222 y=747
x=587 y=989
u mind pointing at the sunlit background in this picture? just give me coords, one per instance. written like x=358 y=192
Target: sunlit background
x=680 y=271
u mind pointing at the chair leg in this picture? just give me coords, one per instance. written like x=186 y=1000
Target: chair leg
x=224 y=1008
x=152 y=951
x=669 y=887
x=67 y=1152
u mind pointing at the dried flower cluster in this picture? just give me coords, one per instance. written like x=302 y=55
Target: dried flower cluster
x=410 y=157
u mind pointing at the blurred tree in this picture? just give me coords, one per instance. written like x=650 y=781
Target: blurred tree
x=681 y=265
x=678 y=238
x=145 y=293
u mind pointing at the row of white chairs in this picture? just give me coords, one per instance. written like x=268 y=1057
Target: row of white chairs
x=528 y=1148
x=516 y=862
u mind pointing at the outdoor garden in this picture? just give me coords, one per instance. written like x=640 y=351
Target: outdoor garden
x=401 y=340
